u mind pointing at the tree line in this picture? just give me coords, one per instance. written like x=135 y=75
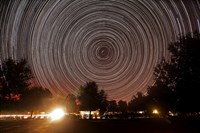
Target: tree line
x=16 y=92
x=175 y=88
x=177 y=85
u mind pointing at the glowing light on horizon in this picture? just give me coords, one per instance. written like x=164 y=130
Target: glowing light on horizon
x=155 y=111
x=57 y=114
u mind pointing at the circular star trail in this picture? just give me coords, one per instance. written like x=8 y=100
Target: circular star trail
x=116 y=43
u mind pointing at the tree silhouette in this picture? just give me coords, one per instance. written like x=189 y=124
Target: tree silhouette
x=139 y=102
x=90 y=98
x=14 y=81
x=112 y=106
x=14 y=77
x=177 y=79
x=102 y=98
x=36 y=99
x=122 y=106
x=71 y=103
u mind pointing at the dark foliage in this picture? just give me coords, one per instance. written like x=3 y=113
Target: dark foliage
x=139 y=102
x=36 y=99
x=15 y=92
x=91 y=98
x=177 y=80
x=112 y=106
x=122 y=106
x=14 y=82
x=71 y=104
x=14 y=78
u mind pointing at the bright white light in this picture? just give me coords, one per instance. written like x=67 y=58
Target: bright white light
x=57 y=114
x=155 y=111
x=141 y=112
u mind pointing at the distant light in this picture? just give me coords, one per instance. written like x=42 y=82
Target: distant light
x=155 y=111
x=173 y=113
x=57 y=114
x=141 y=112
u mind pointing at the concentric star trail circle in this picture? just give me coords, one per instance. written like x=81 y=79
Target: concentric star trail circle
x=116 y=43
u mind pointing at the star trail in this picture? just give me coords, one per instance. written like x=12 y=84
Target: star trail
x=116 y=43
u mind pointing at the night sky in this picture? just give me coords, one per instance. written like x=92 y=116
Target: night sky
x=116 y=43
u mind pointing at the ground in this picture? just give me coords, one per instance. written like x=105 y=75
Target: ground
x=101 y=126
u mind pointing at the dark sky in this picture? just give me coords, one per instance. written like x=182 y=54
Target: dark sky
x=116 y=43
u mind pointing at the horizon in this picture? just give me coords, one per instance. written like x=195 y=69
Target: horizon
x=117 y=44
